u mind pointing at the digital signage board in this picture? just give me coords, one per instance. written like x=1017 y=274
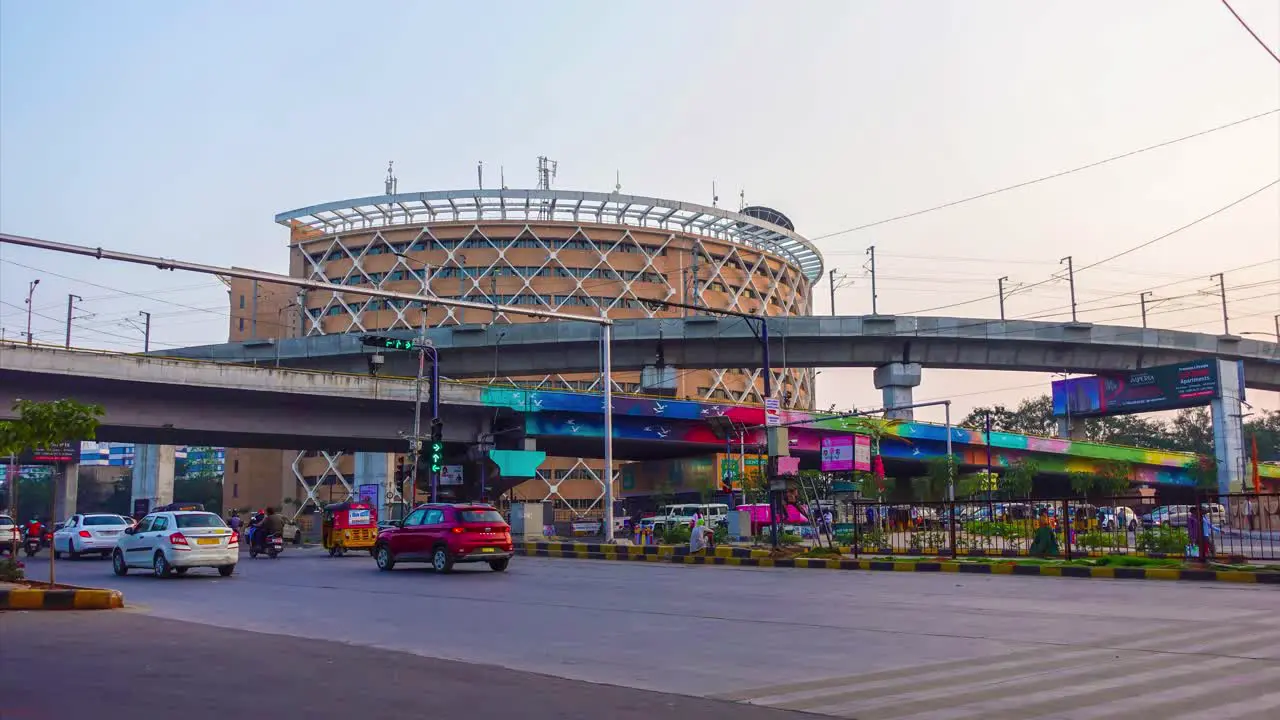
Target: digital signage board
x=846 y=452
x=1167 y=387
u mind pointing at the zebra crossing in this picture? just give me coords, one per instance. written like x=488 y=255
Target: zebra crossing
x=1176 y=673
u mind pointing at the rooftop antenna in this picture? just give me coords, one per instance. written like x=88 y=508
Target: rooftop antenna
x=502 y=176
x=546 y=172
x=617 y=176
x=391 y=178
x=742 y=199
x=715 y=197
x=480 y=174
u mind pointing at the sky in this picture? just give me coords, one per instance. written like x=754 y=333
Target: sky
x=181 y=129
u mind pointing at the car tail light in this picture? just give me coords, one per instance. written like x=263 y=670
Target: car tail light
x=458 y=530
x=235 y=539
x=178 y=539
x=85 y=533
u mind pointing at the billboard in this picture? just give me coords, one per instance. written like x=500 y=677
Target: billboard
x=1167 y=387
x=846 y=452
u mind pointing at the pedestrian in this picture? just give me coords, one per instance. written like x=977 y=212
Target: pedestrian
x=234 y=523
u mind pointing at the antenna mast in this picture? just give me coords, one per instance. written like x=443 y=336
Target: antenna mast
x=742 y=199
x=546 y=172
x=391 y=182
x=715 y=197
x=617 y=186
x=480 y=174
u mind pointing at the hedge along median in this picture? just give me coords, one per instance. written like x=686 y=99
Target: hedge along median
x=59 y=598
x=749 y=557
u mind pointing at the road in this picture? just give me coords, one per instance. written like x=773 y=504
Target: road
x=876 y=646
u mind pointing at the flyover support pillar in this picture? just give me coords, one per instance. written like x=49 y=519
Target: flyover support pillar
x=153 y=475
x=1069 y=429
x=1228 y=426
x=376 y=476
x=67 y=485
x=895 y=381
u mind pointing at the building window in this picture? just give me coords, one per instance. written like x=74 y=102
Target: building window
x=236 y=465
x=241 y=324
x=235 y=490
x=241 y=302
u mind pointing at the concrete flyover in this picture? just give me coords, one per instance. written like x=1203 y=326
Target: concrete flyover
x=705 y=341
x=177 y=402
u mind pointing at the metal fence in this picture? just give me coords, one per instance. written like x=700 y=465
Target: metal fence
x=1228 y=527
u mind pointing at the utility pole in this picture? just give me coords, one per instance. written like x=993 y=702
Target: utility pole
x=71 y=299
x=831 y=276
x=31 y=289
x=1277 y=319
x=1222 y=291
x=146 y=331
x=872 y=252
x=1142 y=300
x=1071 y=280
x=1000 y=284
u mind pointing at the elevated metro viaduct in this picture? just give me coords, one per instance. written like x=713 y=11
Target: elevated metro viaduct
x=167 y=401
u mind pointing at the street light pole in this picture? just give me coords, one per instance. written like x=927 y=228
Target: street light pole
x=1222 y=291
x=1000 y=285
x=1071 y=282
x=1142 y=300
x=606 y=370
x=31 y=290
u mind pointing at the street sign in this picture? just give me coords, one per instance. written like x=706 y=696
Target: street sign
x=772 y=412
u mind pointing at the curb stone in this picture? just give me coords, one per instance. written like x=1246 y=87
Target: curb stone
x=747 y=557
x=63 y=599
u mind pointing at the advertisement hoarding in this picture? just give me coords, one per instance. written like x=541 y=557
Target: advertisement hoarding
x=846 y=452
x=1167 y=387
x=451 y=475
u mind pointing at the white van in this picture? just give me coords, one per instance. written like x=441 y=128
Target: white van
x=684 y=514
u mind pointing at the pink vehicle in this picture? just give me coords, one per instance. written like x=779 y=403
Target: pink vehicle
x=761 y=517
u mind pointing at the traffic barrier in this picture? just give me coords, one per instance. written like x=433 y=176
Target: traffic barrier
x=60 y=599
x=749 y=557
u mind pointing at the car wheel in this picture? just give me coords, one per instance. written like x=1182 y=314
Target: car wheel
x=160 y=566
x=71 y=550
x=384 y=558
x=118 y=565
x=440 y=561
x=499 y=565
x=226 y=570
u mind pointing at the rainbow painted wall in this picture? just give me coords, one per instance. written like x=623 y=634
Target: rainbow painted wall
x=662 y=420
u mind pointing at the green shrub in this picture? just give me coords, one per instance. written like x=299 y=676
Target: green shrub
x=1163 y=539
x=721 y=534
x=932 y=539
x=10 y=571
x=1097 y=540
x=790 y=538
x=676 y=534
x=873 y=540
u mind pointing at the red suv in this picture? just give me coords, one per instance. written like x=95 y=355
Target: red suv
x=446 y=534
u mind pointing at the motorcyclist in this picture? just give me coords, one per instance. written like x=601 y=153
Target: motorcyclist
x=35 y=529
x=272 y=524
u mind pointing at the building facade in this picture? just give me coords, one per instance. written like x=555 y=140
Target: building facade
x=582 y=253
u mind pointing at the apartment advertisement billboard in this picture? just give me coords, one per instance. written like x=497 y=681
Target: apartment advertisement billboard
x=1167 y=387
x=846 y=452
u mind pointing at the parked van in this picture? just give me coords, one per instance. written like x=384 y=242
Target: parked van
x=670 y=515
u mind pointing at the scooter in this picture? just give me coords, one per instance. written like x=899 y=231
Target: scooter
x=272 y=546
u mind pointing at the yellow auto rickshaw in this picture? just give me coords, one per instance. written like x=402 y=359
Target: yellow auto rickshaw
x=349 y=526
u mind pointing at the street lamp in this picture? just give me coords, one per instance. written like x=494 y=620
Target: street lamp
x=31 y=290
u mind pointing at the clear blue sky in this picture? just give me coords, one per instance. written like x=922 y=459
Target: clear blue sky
x=182 y=128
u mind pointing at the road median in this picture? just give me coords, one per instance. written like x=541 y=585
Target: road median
x=753 y=557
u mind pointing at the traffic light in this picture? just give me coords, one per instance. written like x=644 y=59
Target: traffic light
x=436 y=449
x=386 y=343
x=401 y=471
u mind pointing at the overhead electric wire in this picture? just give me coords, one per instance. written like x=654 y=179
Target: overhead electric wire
x=1245 y=25
x=1056 y=277
x=1025 y=183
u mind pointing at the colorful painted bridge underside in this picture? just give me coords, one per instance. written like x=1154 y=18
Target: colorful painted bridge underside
x=684 y=421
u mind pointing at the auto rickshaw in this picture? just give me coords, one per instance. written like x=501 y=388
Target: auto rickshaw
x=349 y=526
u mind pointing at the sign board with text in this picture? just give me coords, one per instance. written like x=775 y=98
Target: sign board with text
x=451 y=475
x=1167 y=387
x=846 y=452
x=772 y=412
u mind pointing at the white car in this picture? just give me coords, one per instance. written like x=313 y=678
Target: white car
x=88 y=533
x=175 y=541
x=9 y=533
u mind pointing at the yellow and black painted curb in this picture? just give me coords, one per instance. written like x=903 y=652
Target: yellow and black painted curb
x=746 y=557
x=60 y=599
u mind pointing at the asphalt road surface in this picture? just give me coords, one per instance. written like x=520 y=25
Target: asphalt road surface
x=875 y=646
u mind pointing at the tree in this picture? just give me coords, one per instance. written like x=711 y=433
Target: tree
x=936 y=481
x=1019 y=479
x=46 y=424
x=1204 y=472
x=1033 y=416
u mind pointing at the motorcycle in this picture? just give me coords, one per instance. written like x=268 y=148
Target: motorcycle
x=272 y=546
x=32 y=543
